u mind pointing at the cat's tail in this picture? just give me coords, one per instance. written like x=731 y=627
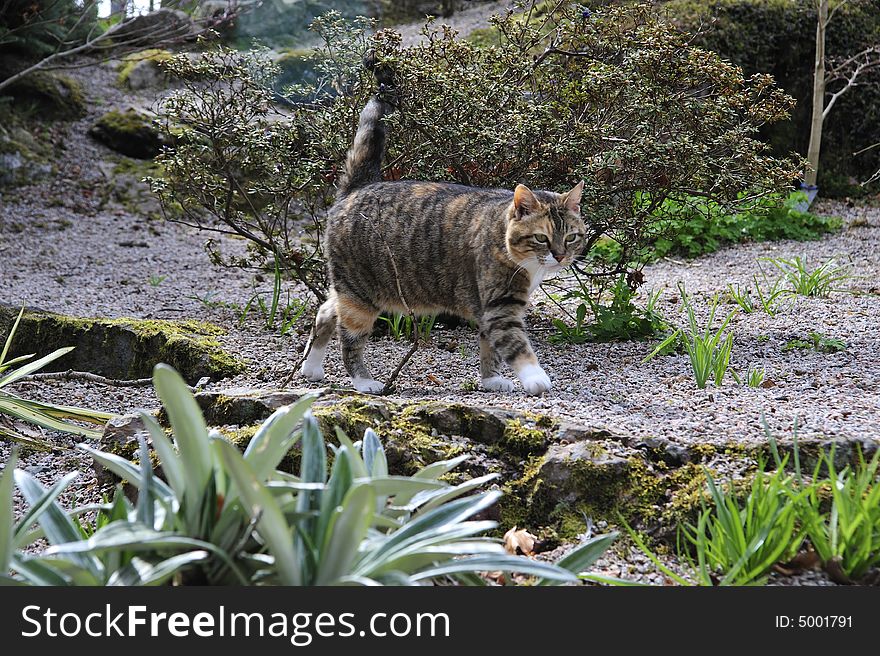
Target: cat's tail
x=363 y=165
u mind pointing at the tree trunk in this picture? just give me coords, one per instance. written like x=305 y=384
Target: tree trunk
x=818 y=96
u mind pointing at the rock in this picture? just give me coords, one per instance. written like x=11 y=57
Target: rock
x=143 y=70
x=155 y=27
x=244 y=407
x=20 y=160
x=122 y=348
x=660 y=448
x=485 y=425
x=569 y=432
x=120 y=438
x=581 y=472
x=53 y=96
x=131 y=133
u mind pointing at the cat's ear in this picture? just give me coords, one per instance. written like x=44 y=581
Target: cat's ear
x=572 y=200
x=524 y=201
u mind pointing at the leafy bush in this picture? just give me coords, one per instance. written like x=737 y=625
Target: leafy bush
x=701 y=227
x=686 y=124
x=13 y=408
x=223 y=517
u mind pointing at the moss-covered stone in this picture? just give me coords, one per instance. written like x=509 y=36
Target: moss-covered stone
x=123 y=348
x=55 y=96
x=130 y=132
x=142 y=70
x=23 y=160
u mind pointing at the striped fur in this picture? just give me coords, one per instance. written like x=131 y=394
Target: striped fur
x=476 y=253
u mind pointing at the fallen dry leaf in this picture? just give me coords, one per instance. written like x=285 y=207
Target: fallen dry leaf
x=519 y=542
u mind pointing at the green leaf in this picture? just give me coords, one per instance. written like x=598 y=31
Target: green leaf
x=191 y=435
x=36 y=365
x=275 y=437
x=261 y=506
x=30 y=412
x=125 y=469
x=346 y=530
x=167 y=454
x=142 y=572
x=9 y=337
x=585 y=554
x=7 y=544
x=502 y=562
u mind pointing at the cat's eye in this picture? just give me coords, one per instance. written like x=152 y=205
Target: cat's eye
x=570 y=239
x=541 y=239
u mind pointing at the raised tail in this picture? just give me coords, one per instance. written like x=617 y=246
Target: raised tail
x=363 y=165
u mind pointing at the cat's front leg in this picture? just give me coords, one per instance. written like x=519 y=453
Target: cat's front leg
x=506 y=336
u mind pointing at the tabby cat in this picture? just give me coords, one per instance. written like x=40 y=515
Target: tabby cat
x=438 y=247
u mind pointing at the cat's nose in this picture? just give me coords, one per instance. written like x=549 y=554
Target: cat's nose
x=558 y=256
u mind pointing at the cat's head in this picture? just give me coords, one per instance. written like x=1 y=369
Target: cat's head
x=545 y=228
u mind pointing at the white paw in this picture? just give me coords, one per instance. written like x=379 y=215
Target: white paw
x=534 y=379
x=313 y=366
x=312 y=372
x=498 y=384
x=367 y=385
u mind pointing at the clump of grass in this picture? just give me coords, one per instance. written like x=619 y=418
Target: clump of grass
x=846 y=536
x=803 y=281
x=753 y=377
x=763 y=299
x=707 y=348
x=400 y=326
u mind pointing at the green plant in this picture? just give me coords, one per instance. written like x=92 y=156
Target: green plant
x=803 y=281
x=14 y=409
x=817 y=342
x=400 y=326
x=619 y=320
x=754 y=376
x=737 y=542
x=708 y=349
x=156 y=280
x=742 y=296
x=223 y=517
x=846 y=536
x=695 y=226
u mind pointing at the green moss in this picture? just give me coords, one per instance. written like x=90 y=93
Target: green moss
x=125 y=347
x=521 y=439
x=129 y=62
x=57 y=96
x=129 y=132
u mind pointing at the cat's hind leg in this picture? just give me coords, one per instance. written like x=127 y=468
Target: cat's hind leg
x=325 y=325
x=356 y=321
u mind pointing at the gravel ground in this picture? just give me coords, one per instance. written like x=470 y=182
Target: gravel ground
x=61 y=250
